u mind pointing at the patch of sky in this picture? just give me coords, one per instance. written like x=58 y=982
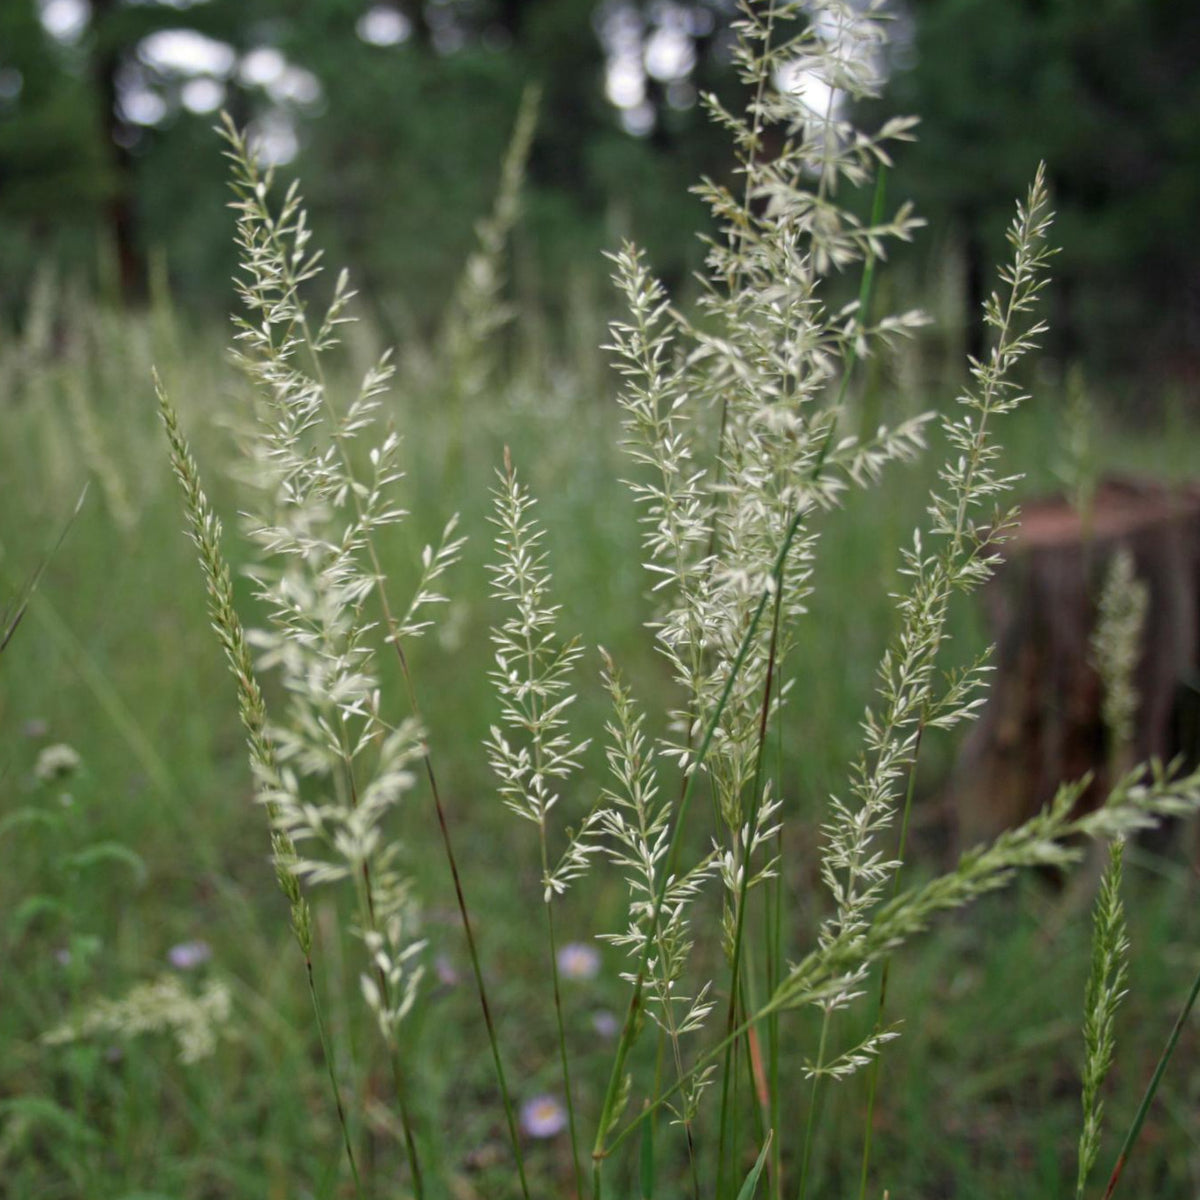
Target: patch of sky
x=202 y=95
x=657 y=45
x=183 y=68
x=186 y=52
x=273 y=138
x=383 y=25
x=64 y=20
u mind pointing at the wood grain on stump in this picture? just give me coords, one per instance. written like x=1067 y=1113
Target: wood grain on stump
x=1042 y=722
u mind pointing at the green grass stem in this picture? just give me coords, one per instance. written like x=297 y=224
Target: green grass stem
x=600 y=1150
x=1143 y=1109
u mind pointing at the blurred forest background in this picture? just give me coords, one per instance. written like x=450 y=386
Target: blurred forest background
x=396 y=114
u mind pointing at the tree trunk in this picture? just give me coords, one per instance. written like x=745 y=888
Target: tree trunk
x=122 y=205
x=974 y=289
x=1042 y=723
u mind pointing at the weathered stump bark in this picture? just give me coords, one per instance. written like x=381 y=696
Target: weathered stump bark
x=1042 y=722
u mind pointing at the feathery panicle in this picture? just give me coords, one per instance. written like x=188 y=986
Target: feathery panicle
x=732 y=525
x=1105 y=990
x=205 y=529
x=478 y=310
x=637 y=825
x=956 y=554
x=533 y=751
x=963 y=555
x=1137 y=802
x=768 y=357
x=1116 y=648
x=342 y=765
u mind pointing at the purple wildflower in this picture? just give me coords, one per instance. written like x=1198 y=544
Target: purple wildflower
x=605 y=1023
x=578 y=960
x=543 y=1117
x=188 y=955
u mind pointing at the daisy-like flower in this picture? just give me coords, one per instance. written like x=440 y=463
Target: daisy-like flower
x=605 y=1023
x=543 y=1117
x=186 y=956
x=578 y=960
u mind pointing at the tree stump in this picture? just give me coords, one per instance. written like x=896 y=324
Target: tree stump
x=1042 y=723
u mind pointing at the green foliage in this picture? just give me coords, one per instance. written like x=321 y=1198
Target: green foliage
x=400 y=141
x=1106 y=93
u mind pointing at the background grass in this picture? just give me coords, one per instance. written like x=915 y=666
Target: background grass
x=979 y=1097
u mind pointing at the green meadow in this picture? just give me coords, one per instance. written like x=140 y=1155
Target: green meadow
x=155 y=840
x=725 y=935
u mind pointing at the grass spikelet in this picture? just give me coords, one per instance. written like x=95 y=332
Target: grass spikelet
x=1116 y=649
x=534 y=753
x=1105 y=990
x=531 y=675
x=205 y=531
x=478 y=311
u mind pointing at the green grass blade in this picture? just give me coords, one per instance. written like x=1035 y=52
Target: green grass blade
x=751 y=1185
x=646 y=1161
x=10 y=621
x=1151 y=1089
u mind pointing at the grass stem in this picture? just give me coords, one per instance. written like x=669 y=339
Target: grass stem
x=562 y=1041
x=600 y=1150
x=813 y=1105
x=1151 y=1090
x=881 y=1002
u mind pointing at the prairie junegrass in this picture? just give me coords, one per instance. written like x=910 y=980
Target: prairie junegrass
x=736 y=420
x=743 y=1020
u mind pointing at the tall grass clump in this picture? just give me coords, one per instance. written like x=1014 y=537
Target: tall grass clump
x=740 y=419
